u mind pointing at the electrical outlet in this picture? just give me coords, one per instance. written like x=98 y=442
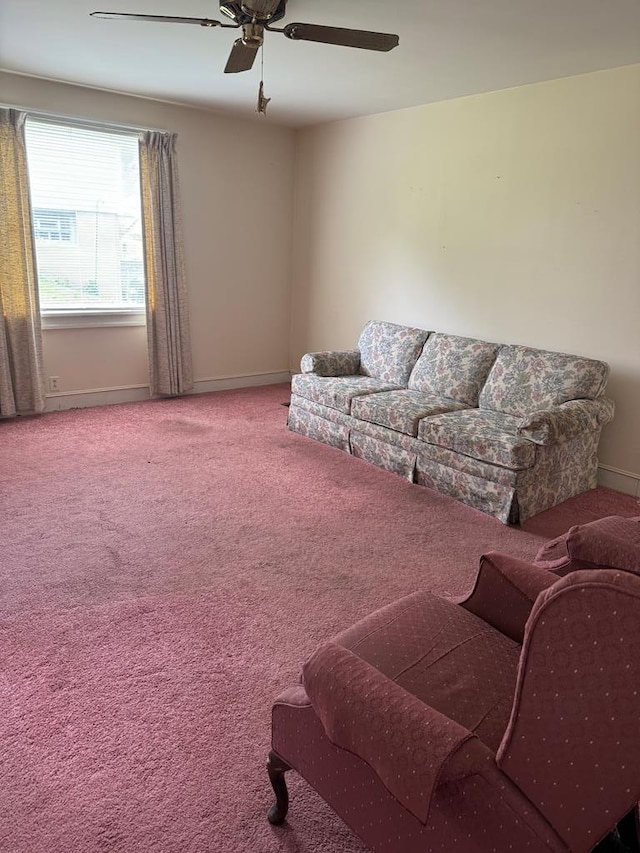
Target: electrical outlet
x=54 y=383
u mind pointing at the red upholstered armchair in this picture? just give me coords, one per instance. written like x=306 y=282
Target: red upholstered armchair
x=505 y=721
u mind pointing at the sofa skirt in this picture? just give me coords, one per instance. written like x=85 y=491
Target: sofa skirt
x=383 y=455
x=560 y=471
x=337 y=430
x=487 y=496
x=314 y=426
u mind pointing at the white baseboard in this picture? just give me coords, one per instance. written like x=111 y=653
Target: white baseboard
x=95 y=397
x=131 y=393
x=621 y=481
x=204 y=386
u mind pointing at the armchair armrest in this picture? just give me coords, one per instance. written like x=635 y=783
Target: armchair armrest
x=560 y=423
x=332 y=363
x=611 y=542
x=505 y=591
x=408 y=744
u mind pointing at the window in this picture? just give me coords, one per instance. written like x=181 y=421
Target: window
x=85 y=197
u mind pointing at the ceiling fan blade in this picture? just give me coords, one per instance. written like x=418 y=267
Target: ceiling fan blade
x=241 y=58
x=338 y=35
x=164 y=19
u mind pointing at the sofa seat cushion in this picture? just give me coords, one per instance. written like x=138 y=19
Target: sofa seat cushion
x=401 y=411
x=441 y=653
x=523 y=380
x=455 y=367
x=389 y=351
x=488 y=436
x=336 y=392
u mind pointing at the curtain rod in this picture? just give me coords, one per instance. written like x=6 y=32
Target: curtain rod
x=66 y=119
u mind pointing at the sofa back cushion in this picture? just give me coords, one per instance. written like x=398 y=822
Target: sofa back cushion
x=523 y=380
x=454 y=367
x=389 y=352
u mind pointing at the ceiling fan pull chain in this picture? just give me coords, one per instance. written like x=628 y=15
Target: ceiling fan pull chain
x=262 y=101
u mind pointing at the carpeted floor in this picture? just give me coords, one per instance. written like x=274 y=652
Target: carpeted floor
x=165 y=569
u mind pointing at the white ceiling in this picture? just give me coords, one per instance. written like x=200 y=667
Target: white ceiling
x=448 y=48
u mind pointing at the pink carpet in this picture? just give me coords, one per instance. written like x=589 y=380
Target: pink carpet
x=165 y=569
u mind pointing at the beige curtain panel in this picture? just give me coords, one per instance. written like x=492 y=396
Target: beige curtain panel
x=21 y=366
x=167 y=311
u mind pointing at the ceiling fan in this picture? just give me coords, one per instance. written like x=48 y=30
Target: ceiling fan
x=256 y=16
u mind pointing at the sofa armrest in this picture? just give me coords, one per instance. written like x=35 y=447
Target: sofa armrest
x=505 y=591
x=408 y=744
x=332 y=363
x=563 y=422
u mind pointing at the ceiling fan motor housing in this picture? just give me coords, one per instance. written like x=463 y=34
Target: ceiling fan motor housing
x=254 y=10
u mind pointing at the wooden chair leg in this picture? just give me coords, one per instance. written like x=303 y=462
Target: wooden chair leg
x=625 y=838
x=276 y=768
x=629 y=831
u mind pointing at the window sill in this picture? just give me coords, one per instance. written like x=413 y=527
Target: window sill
x=92 y=319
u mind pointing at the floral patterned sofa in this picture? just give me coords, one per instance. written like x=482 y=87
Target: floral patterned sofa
x=509 y=430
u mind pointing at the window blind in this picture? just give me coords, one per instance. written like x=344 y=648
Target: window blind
x=85 y=200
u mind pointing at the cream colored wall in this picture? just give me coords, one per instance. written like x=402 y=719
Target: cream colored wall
x=97 y=358
x=512 y=216
x=236 y=179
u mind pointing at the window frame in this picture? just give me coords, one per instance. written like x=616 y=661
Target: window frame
x=68 y=317
x=92 y=319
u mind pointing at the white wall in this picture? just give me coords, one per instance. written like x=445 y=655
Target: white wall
x=512 y=216
x=236 y=179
